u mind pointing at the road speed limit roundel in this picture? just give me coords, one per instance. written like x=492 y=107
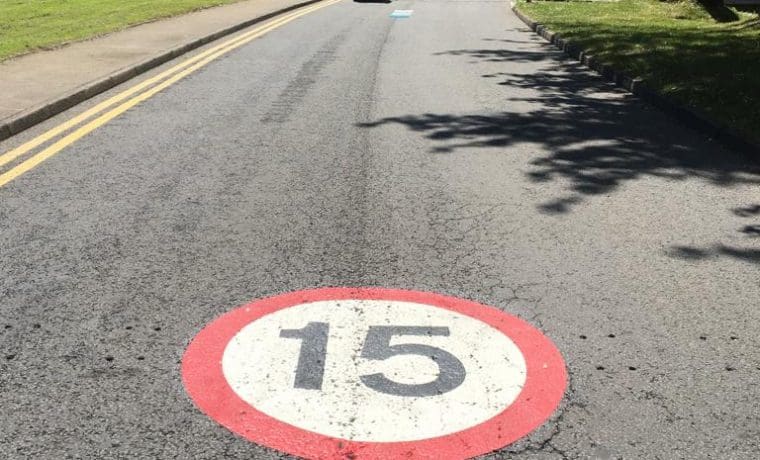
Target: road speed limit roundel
x=374 y=373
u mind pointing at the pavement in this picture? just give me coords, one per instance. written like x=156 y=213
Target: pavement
x=44 y=76
x=453 y=152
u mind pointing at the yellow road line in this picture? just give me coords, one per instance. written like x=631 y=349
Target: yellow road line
x=63 y=127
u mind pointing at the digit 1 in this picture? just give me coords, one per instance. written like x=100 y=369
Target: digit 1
x=311 y=361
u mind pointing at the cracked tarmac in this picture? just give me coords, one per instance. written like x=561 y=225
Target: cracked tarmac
x=450 y=152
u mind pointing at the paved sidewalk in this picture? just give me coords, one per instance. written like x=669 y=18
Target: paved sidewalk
x=31 y=80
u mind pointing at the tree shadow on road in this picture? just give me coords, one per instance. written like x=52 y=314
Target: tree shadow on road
x=498 y=55
x=594 y=141
x=594 y=137
x=750 y=233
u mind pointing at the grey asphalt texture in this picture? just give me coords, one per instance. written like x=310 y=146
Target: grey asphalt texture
x=452 y=152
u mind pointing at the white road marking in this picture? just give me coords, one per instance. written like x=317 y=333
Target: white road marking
x=259 y=365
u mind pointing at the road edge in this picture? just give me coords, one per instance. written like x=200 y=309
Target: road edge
x=22 y=121
x=637 y=86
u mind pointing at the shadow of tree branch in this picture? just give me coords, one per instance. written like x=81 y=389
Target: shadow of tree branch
x=747 y=254
x=596 y=141
x=586 y=133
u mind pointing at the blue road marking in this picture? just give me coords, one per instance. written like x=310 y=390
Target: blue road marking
x=400 y=14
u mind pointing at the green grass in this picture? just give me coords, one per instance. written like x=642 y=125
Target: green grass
x=27 y=25
x=677 y=47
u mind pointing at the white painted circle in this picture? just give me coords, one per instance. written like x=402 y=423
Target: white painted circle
x=259 y=365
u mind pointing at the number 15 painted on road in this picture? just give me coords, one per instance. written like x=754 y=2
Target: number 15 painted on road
x=377 y=346
x=374 y=373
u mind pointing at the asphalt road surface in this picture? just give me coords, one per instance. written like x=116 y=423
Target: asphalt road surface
x=452 y=152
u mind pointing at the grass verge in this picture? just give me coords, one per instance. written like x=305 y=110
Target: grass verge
x=678 y=48
x=28 y=25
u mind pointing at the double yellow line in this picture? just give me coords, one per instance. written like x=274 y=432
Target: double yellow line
x=131 y=97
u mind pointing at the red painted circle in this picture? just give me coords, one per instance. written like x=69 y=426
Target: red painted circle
x=205 y=382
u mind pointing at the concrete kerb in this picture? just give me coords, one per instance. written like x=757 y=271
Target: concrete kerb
x=35 y=115
x=637 y=86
